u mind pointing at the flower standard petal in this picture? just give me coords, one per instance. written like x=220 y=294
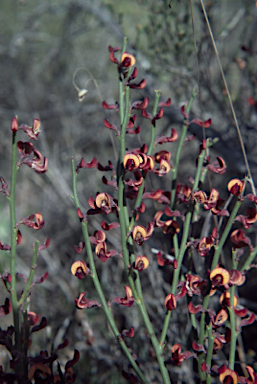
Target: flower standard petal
x=219 y=276
x=141 y=263
x=236 y=186
x=79 y=269
x=139 y=234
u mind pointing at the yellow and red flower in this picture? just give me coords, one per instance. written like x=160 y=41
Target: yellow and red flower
x=236 y=187
x=227 y=375
x=178 y=357
x=103 y=203
x=170 y=302
x=102 y=253
x=80 y=269
x=128 y=300
x=219 y=276
x=141 y=234
x=141 y=263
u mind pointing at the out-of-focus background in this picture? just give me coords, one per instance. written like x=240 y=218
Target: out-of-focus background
x=42 y=45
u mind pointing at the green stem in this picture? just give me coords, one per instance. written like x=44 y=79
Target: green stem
x=15 y=307
x=182 y=249
x=155 y=106
x=124 y=125
x=225 y=234
x=25 y=347
x=178 y=152
x=31 y=275
x=232 y=318
x=186 y=226
x=149 y=152
x=210 y=351
x=197 y=205
x=249 y=260
x=218 y=249
x=126 y=240
x=121 y=92
x=97 y=283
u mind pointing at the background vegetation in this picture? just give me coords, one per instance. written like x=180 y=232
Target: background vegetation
x=42 y=44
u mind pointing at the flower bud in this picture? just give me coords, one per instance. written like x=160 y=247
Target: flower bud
x=15 y=125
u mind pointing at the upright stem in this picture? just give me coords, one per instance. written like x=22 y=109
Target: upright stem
x=218 y=249
x=126 y=239
x=182 y=249
x=178 y=152
x=232 y=318
x=15 y=307
x=31 y=274
x=97 y=283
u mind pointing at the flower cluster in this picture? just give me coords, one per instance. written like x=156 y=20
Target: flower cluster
x=220 y=321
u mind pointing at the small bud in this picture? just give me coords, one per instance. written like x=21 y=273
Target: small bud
x=15 y=125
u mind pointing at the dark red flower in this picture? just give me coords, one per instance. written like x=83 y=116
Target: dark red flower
x=239 y=239
x=217 y=166
x=167 y=139
x=33 y=131
x=170 y=302
x=83 y=164
x=178 y=357
x=6 y=307
x=38 y=162
x=34 y=221
x=102 y=253
x=249 y=218
x=82 y=302
x=128 y=300
x=103 y=203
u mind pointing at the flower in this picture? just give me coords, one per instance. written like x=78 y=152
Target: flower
x=37 y=224
x=205 y=245
x=6 y=307
x=227 y=375
x=128 y=300
x=249 y=218
x=236 y=186
x=141 y=234
x=83 y=164
x=170 y=302
x=131 y=161
x=33 y=131
x=141 y=263
x=217 y=166
x=38 y=163
x=225 y=299
x=102 y=253
x=163 y=169
x=127 y=60
x=219 y=276
x=80 y=269
x=239 y=239
x=213 y=199
x=103 y=203
x=178 y=357
x=99 y=237
x=82 y=302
